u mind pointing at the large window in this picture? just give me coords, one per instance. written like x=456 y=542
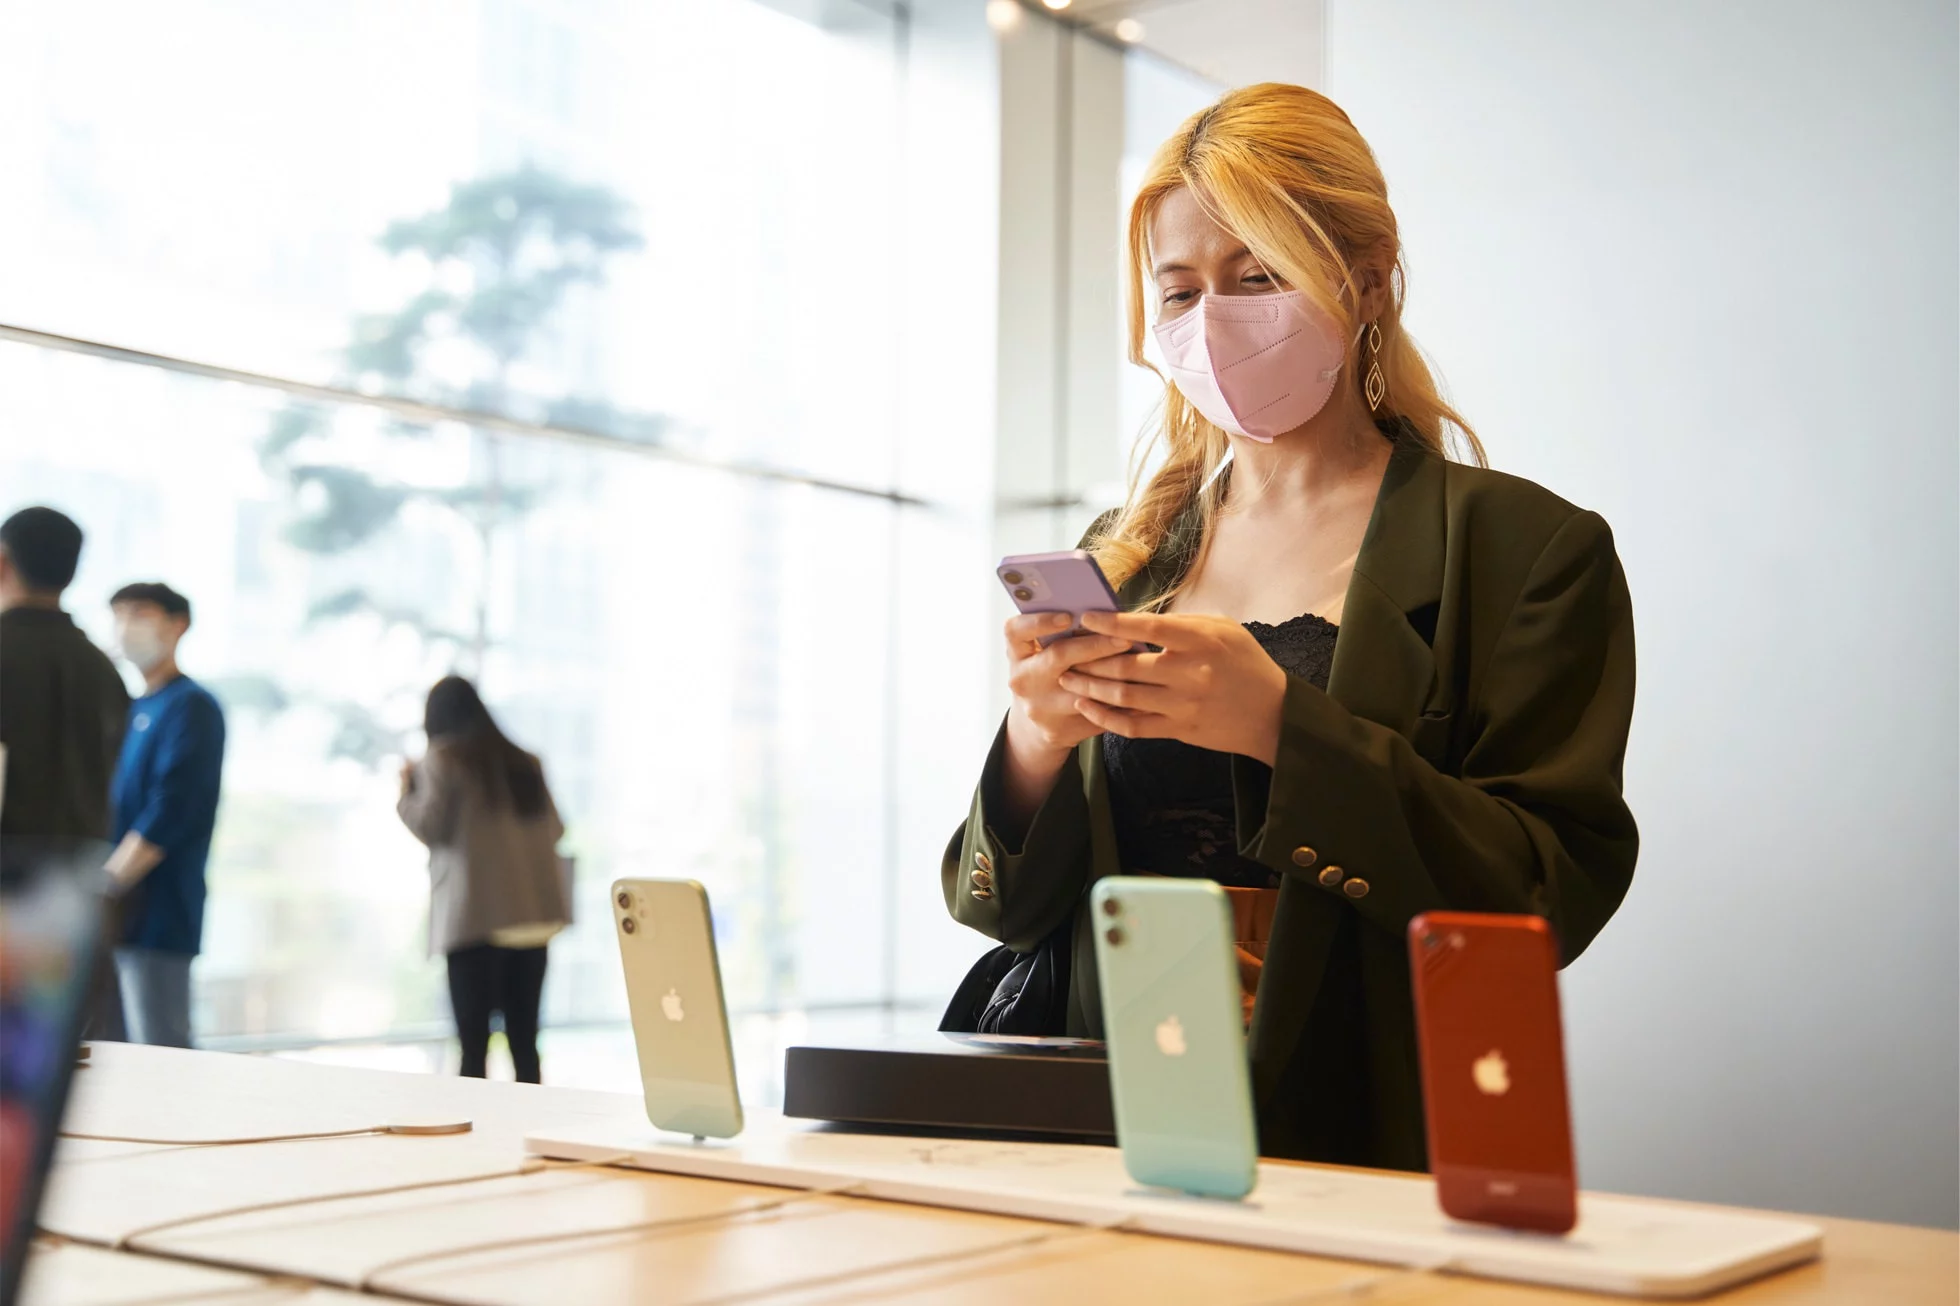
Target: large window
x=692 y=494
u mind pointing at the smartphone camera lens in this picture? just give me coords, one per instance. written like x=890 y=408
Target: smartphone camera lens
x=1011 y=577
x=1115 y=936
x=624 y=900
x=1111 y=907
x=1431 y=940
x=628 y=925
x=1023 y=593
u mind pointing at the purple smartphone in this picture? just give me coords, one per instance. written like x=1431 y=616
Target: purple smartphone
x=1069 y=581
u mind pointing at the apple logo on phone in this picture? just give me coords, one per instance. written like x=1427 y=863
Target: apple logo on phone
x=1492 y=1076
x=1170 y=1037
x=670 y=1006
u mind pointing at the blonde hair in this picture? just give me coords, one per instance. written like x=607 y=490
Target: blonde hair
x=1283 y=169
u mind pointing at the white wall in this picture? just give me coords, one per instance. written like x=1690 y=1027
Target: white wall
x=1694 y=266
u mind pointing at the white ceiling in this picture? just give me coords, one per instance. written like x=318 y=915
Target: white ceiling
x=1231 y=42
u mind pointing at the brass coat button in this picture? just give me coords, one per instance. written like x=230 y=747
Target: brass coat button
x=1304 y=856
x=982 y=880
x=983 y=895
x=983 y=861
x=1331 y=877
x=1355 y=888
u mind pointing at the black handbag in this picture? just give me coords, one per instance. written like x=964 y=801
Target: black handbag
x=1009 y=992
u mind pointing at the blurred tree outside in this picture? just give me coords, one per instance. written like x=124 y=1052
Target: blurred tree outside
x=499 y=261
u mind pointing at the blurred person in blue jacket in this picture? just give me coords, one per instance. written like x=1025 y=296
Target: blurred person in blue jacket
x=166 y=803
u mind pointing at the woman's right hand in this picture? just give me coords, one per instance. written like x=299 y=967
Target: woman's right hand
x=1043 y=726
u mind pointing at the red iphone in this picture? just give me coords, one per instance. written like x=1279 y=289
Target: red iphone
x=1493 y=1069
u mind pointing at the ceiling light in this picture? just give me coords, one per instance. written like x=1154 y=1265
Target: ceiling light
x=1003 y=15
x=1129 y=30
x=1056 y=5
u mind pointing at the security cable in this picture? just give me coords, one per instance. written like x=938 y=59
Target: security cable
x=46 y=1244
x=535 y=1165
x=410 y=1128
x=219 y=1142
x=285 y=1286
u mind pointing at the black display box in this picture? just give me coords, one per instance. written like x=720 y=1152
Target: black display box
x=960 y=1083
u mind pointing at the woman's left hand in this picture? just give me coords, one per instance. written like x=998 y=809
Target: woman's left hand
x=1211 y=687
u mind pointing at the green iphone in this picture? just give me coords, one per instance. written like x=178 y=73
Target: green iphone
x=1171 y=1016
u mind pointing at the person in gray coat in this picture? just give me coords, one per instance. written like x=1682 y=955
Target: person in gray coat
x=496 y=892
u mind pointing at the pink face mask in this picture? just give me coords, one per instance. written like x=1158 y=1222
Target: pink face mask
x=1256 y=365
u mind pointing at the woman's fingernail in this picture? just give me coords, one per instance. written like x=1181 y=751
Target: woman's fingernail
x=1059 y=619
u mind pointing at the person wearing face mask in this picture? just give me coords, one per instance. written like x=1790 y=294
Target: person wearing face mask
x=166 y=805
x=1383 y=680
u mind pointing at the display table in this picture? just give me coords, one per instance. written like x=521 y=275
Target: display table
x=676 y=1239
x=1635 y=1247
x=76 y=1274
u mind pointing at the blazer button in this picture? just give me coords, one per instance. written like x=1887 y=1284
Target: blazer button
x=982 y=880
x=1304 y=856
x=983 y=894
x=983 y=861
x=1331 y=877
x=1355 y=888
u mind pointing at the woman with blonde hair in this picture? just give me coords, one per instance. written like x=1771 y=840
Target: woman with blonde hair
x=1386 y=680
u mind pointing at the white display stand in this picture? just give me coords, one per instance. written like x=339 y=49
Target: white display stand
x=1623 y=1245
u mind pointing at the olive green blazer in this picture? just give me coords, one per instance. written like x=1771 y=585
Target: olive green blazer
x=1466 y=755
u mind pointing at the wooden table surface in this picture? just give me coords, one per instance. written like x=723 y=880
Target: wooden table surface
x=461 y=1237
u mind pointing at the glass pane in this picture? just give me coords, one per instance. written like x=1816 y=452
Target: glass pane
x=705 y=663
x=589 y=212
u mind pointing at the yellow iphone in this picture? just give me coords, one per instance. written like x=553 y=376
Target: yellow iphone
x=673 y=993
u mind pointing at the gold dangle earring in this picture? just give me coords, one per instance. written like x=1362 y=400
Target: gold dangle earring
x=1376 y=385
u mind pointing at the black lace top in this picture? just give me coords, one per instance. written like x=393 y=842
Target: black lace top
x=1173 y=803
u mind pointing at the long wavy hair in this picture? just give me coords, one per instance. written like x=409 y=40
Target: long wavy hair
x=456 y=720
x=1283 y=169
